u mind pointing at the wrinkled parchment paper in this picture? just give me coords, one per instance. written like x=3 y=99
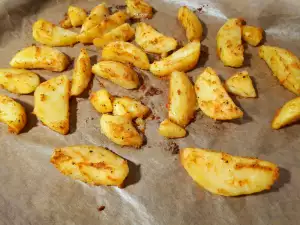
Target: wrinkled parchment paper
x=158 y=190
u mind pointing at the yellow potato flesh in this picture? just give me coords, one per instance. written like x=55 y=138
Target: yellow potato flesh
x=101 y=100
x=171 y=130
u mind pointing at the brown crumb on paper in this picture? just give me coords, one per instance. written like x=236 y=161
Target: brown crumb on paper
x=101 y=208
x=153 y=91
x=172 y=147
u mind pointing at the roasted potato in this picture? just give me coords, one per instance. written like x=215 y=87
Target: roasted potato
x=252 y=35
x=191 y=23
x=288 y=114
x=77 y=15
x=230 y=48
x=140 y=124
x=130 y=107
x=19 y=81
x=82 y=73
x=13 y=114
x=122 y=33
x=97 y=15
x=228 y=175
x=42 y=57
x=108 y=24
x=120 y=130
x=183 y=60
x=101 y=100
x=152 y=41
x=91 y=164
x=126 y=53
x=284 y=65
x=182 y=99
x=213 y=99
x=51 y=103
x=117 y=73
x=169 y=129
x=139 y=9
x=49 y=34
x=241 y=84
x=65 y=22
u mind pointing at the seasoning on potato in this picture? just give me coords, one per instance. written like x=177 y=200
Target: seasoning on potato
x=228 y=175
x=252 y=35
x=139 y=9
x=77 y=15
x=66 y=22
x=169 y=129
x=102 y=101
x=91 y=164
x=97 y=15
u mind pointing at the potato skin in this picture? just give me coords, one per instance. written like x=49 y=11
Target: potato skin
x=77 y=15
x=288 y=114
x=139 y=9
x=119 y=129
x=252 y=35
x=184 y=59
x=169 y=129
x=191 y=23
x=228 y=175
x=19 y=81
x=101 y=100
x=117 y=73
x=42 y=57
x=97 y=15
x=229 y=43
x=182 y=99
x=125 y=52
x=13 y=114
x=91 y=164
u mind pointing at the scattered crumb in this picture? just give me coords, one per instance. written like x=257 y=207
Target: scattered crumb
x=101 y=208
x=172 y=147
x=153 y=91
x=143 y=87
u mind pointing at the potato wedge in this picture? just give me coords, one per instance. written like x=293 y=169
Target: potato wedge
x=125 y=52
x=42 y=57
x=284 y=65
x=65 y=22
x=288 y=114
x=139 y=9
x=122 y=33
x=182 y=99
x=169 y=129
x=105 y=26
x=97 y=15
x=82 y=73
x=13 y=114
x=150 y=40
x=241 y=85
x=19 y=81
x=51 y=103
x=117 y=73
x=101 y=100
x=228 y=175
x=184 y=59
x=191 y=23
x=91 y=164
x=77 y=15
x=213 y=99
x=230 y=48
x=119 y=129
x=49 y=34
x=252 y=35
x=130 y=107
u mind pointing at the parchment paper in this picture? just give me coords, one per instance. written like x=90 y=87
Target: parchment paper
x=158 y=190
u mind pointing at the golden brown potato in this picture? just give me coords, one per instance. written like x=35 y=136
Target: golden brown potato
x=184 y=59
x=130 y=107
x=51 y=103
x=97 y=15
x=42 y=57
x=252 y=35
x=126 y=53
x=77 y=15
x=152 y=41
x=230 y=48
x=213 y=99
x=284 y=65
x=101 y=100
x=191 y=23
x=91 y=164
x=13 y=114
x=106 y=25
x=82 y=73
x=241 y=84
x=119 y=129
x=182 y=99
x=117 y=73
x=49 y=34
x=19 y=81
x=171 y=130
x=65 y=22
x=228 y=175
x=288 y=114
x=122 y=33
x=139 y=9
